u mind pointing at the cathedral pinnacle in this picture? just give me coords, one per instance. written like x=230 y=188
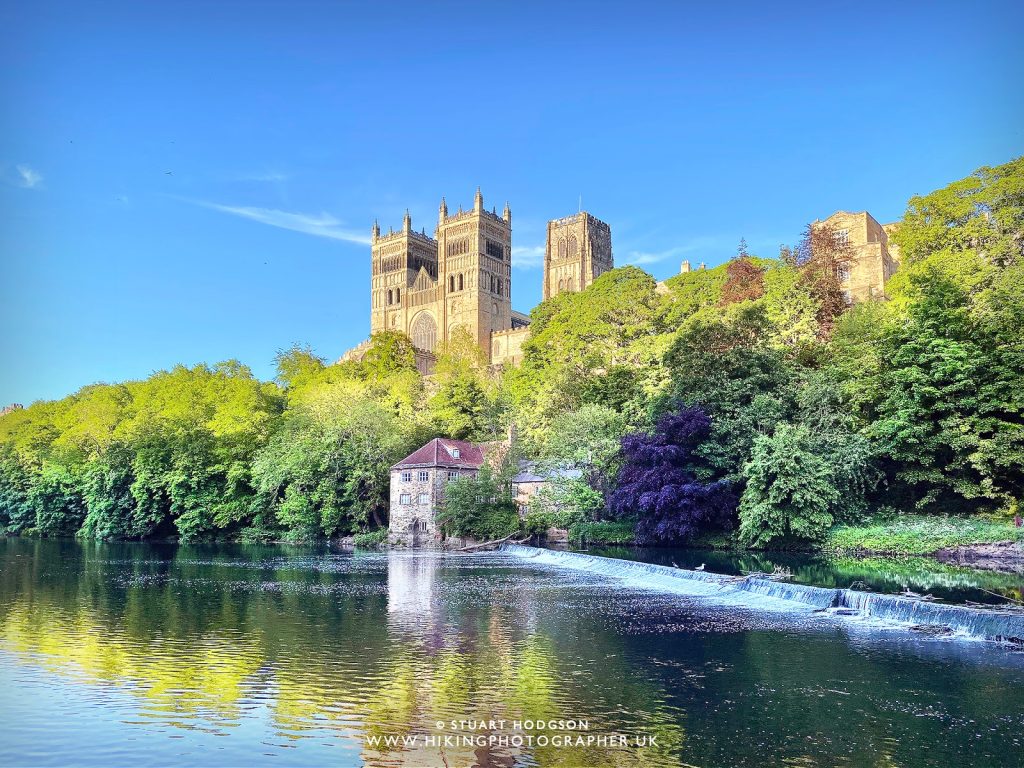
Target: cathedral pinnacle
x=507 y=213
x=375 y=232
x=407 y=222
x=442 y=211
x=478 y=201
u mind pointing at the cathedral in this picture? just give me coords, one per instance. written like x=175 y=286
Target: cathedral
x=427 y=287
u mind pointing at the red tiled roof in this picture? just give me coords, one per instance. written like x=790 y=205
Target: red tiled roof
x=437 y=453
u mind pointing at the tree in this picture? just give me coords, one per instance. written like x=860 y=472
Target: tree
x=819 y=255
x=588 y=439
x=657 y=484
x=789 y=491
x=744 y=281
x=480 y=506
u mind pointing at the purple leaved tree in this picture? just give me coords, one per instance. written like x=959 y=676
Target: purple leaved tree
x=657 y=484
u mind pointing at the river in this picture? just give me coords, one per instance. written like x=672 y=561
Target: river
x=154 y=654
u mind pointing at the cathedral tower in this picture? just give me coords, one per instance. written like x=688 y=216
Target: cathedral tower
x=403 y=276
x=579 y=249
x=474 y=250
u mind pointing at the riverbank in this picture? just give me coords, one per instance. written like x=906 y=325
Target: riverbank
x=979 y=542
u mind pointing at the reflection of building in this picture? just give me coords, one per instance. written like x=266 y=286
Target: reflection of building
x=417 y=488
x=873 y=259
x=411 y=584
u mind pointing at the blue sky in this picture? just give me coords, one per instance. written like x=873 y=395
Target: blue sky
x=189 y=182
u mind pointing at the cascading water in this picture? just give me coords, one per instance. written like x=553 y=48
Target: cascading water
x=775 y=595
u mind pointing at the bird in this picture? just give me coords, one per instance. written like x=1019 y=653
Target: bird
x=699 y=567
x=168 y=173
x=674 y=563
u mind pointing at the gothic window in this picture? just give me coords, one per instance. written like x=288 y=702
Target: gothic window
x=451 y=284
x=407 y=477
x=405 y=498
x=423 y=475
x=570 y=284
x=391 y=296
x=495 y=250
x=848 y=297
x=460 y=282
x=561 y=248
x=499 y=287
x=492 y=283
x=573 y=246
x=561 y=285
x=843 y=271
x=842 y=236
x=398 y=295
x=424 y=332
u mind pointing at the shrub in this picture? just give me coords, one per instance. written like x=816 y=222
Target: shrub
x=371 y=539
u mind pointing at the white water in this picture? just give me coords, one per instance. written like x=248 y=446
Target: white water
x=775 y=595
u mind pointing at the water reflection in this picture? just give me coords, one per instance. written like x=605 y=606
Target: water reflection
x=313 y=655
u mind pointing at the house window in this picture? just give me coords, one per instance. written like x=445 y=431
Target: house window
x=405 y=498
x=848 y=297
x=407 y=477
x=843 y=236
x=843 y=272
x=423 y=476
x=453 y=474
x=424 y=498
x=456 y=453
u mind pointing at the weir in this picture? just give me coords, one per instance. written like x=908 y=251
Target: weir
x=767 y=594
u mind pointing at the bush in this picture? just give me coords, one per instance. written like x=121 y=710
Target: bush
x=481 y=507
x=789 y=491
x=370 y=539
x=608 y=532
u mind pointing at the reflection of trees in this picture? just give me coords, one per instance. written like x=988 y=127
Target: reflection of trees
x=197 y=634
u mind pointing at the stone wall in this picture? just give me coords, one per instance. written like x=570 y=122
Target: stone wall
x=507 y=346
x=415 y=524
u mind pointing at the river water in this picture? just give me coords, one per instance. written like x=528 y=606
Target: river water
x=150 y=654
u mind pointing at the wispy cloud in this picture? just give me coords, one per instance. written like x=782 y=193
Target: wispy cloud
x=528 y=257
x=640 y=258
x=28 y=177
x=320 y=225
x=270 y=176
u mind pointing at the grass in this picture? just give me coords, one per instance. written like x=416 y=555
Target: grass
x=920 y=534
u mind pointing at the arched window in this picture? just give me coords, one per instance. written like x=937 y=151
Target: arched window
x=561 y=285
x=424 y=331
x=573 y=246
x=398 y=295
x=451 y=284
x=460 y=282
x=391 y=296
x=499 y=286
x=561 y=248
x=569 y=284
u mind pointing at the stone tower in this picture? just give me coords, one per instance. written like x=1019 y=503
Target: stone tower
x=474 y=271
x=403 y=276
x=579 y=249
x=427 y=287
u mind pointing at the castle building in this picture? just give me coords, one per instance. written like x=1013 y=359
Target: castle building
x=427 y=287
x=873 y=258
x=578 y=250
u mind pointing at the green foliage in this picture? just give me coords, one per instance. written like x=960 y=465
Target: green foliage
x=789 y=491
x=371 y=539
x=605 y=532
x=921 y=534
x=481 y=507
x=565 y=501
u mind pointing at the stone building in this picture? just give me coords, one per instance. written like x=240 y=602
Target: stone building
x=578 y=250
x=417 y=488
x=426 y=287
x=873 y=259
